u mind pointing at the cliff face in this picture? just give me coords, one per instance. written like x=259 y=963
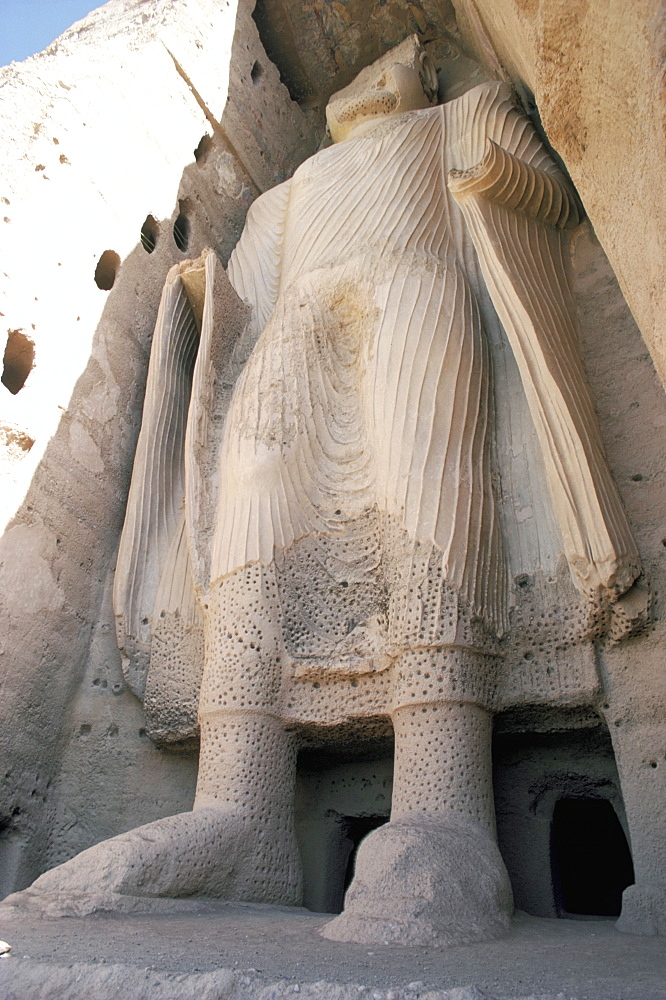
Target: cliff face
x=121 y=155
x=140 y=137
x=596 y=74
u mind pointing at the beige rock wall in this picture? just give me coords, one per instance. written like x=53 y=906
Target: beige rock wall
x=99 y=132
x=631 y=406
x=596 y=73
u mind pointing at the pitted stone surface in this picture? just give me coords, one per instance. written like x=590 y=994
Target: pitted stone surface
x=380 y=604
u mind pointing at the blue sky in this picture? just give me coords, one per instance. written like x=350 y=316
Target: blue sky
x=28 y=26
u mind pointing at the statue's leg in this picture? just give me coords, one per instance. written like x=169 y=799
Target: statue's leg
x=246 y=778
x=238 y=842
x=247 y=763
x=434 y=874
x=443 y=767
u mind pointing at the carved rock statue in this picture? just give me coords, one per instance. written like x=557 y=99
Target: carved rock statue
x=322 y=538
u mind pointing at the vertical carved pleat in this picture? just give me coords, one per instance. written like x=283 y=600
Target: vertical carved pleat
x=524 y=270
x=224 y=324
x=369 y=386
x=175 y=591
x=154 y=507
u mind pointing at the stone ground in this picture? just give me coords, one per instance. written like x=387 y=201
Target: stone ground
x=221 y=951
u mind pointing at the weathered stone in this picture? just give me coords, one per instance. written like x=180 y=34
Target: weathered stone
x=117 y=147
x=563 y=530
x=594 y=71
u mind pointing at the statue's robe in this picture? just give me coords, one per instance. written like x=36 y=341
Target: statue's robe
x=362 y=419
x=357 y=453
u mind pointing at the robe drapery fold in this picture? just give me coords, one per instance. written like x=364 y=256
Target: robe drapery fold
x=361 y=426
x=536 y=311
x=369 y=387
x=152 y=541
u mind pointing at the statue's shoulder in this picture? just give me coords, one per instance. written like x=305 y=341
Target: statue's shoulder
x=271 y=203
x=483 y=96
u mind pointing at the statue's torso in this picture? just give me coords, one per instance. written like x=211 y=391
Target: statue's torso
x=374 y=200
x=366 y=396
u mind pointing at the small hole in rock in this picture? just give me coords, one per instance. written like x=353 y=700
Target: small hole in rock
x=106 y=270
x=257 y=72
x=149 y=233
x=203 y=149
x=181 y=229
x=18 y=360
x=637 y=478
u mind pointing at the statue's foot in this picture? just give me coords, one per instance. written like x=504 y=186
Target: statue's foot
x=643 y=910
x=421 y=881
x=207 y=853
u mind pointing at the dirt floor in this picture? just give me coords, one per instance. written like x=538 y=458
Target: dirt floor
x=272 y=952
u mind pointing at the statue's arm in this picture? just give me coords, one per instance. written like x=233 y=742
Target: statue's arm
x=237 y=305
x=152 y=563
x=516 y=203
x=496 y=154
x=507 y=180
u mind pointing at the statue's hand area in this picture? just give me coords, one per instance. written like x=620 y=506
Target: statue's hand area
x=503 y=178
x=471 y=180
x=630 y=613
x=489 y=177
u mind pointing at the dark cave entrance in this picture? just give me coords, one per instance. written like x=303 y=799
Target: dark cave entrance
x=561 y=823
x=343 y=792
x=354 y=830
x=590 y=858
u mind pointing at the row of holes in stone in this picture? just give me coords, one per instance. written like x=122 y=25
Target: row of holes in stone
x=150 y=231
x=108 y=264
